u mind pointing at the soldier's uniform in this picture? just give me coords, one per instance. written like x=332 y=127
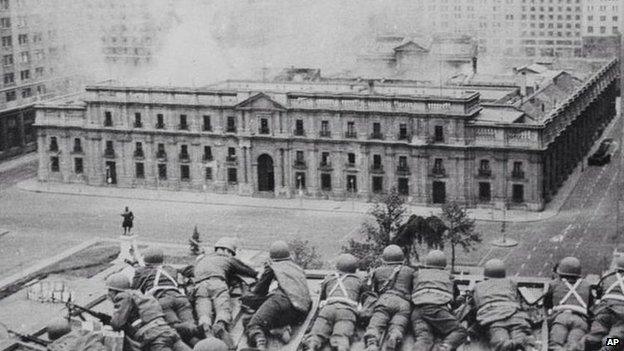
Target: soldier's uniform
x=159 y=281
x=433 y=292
x=497 y=302
x=340 y=293
x=567 y=300
x=608 y=318
x=288 y=304
x=393 y=283
x=141 y=318
x=212 y=274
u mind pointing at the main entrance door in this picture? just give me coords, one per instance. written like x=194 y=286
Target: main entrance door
x=439 y=192
x=266 y=181
x=111 y=172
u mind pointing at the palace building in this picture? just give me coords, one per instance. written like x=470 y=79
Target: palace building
x=332 y=139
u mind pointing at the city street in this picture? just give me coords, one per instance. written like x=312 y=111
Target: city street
x=40 y=224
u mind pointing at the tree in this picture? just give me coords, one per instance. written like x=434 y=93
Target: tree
x=419 y=231
x=305 y=255
x=195 y=243
x=387 y=219
x=460 y=229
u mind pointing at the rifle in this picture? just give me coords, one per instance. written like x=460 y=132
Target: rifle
x=72 y=308
x=29 y=338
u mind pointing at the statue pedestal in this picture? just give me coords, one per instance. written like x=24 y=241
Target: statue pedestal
x=129 y=249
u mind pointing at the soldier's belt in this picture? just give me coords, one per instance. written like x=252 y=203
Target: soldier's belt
x=500 y=304
x=613 y=297
x=342 y=300
x=435 y=291
x=142 y=328
x=572 y=308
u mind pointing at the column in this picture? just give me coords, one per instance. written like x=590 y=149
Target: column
x=245 y=164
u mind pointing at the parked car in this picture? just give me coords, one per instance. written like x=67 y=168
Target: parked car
x=602 y=156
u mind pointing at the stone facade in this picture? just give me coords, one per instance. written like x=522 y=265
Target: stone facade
x=321 y=140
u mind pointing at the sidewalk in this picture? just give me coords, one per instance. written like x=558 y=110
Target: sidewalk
x=360 y=207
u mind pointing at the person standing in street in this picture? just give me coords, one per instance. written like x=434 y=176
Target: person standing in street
x=128 y=218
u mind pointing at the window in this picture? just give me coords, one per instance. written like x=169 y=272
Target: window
x=162 y=171
x=41 y=89
x=25 y=57
x=300 y=180
x=402 y=131
x=325 y=162
x=439 y=134
x=231 y=154
x=350 y=130
x=139 y=170
x=5 y=22
x=484 y=168
x=4 y=4
x=231 y=124
x=299 y=158
x=11 y=95
x=438 y=166
x=39 y=72
x=26 y=92
x=264 y=126
x=517 y=171
x=183 y=124
x=325 y=181
x=54 y=164
x=77 y=145
x=377 y=131
x=208 y=173
x=351 y=183
x=403 y=186
x=402 y=163
x=325 y=132
x=351 y=159
x=160 y=153
x=185 y=173
x=137 y=120
x=7 y=41
x=7 y=60
x=232 y=175
x=25 y=74
x=517 y=193
x=590 y=29
x=377 y=162
x=160 y=121
x=108 y=119
x=22 y=39
x=109 y=150
x=53 y=144
x=184 y=155
x=207 y=153
x=138 y=149
x=484 y=192
x=377 y=184
x=9 y=78
x=78 y=166
x=207 y=126
x=299 y=127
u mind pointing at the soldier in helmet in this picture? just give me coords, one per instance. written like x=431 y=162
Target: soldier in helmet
x=608 y=318
x=212 y=274
x=286 y=305
x=392 y=282
x=336 y=320
x=210 y=344
x=567 y=301
x=432 y=293
x=497 y=303
x=57 y=328
x=159 y=280
x=141 y=317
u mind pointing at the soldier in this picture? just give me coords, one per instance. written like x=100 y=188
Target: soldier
x=609 y=313
x=497 y=303
x=567 y=300
x=141 y=317
x=336 y=320
x=433 y=292
x=286 y=305
x=210 y=344
x=392 y=282
x=212 y=274
x=159 y=280
x=57 y=328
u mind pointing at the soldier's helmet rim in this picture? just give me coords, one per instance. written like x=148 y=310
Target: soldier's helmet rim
x=495 y=268
x=226 y=243
x=118 y=282
x=279 y=251
x=347 y=263
x=569 y=266
x=435 y=259
x=153 y=255
x=393 y=254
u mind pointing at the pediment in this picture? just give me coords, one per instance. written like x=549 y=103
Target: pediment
x=260 y=101
x=412 y=47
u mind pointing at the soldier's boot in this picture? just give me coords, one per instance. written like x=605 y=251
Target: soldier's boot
x=340 y=343
x=221 y=332
x=311 y=344
x=284 y=334
x=444 y=347
x=260 y=341
x=371 y=343
x=393 y=341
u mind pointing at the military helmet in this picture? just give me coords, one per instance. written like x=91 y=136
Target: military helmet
x=569 y=266
x=495 y=268
x=118 y=282
x=226 y=243
x=210 y=344
x=347 y=263
x=618 y=263
x=279 y=251
x=392 y=254
x=57 y=328
x=435 y=259
x=154 y=255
